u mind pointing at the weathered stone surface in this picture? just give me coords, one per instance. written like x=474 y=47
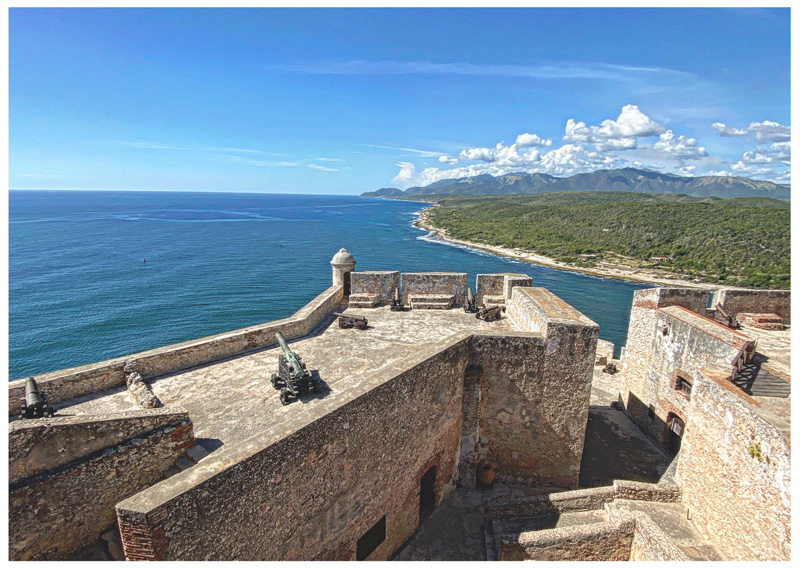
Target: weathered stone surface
x=735 y=472
x=605 y=352
x=61 y=510
x=439 y=283
x=382 y=283
x=140 y=392
x=734 y=301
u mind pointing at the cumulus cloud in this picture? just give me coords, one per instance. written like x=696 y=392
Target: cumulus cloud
x=532 y=140
x=766 y=131
x=611 y=135
x=680 y=147
x=597 y=147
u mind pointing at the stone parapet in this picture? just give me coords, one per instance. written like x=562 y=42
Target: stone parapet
x=59 y=386
x=381 y=283
x=735 y=301
x=437 y=283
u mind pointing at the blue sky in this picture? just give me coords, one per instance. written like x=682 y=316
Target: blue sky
x=351 y=100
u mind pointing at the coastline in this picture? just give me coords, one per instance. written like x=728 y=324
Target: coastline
x=616 y=272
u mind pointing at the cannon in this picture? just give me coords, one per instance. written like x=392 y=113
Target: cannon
x=34 y=405
x=359 y=322
x=470 y=303
x=489 y=314
x=397 y=303
x=293 y=378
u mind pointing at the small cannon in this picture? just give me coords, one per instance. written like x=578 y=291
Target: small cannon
x=34 y=405
x=723 y=317
x=489 y=314
x=397 y=303
x=293 y=378
x=359 y=322
x=470 y=303
x=611 y=368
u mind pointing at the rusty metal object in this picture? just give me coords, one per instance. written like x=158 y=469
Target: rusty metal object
x=359 y=322
x=489 y=314
x=485 y=474
x=611 y=368
x=293 y=378
x=470 y=303
x=397 y=303
x=723 y=317
x=34 y=405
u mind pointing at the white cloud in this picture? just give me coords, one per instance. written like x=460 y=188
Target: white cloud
x=323 y=168
x=423 y=153
x=612 y=135
x=681 y=147
x=448 y=160
x=328 y=160
x=262 y=163
x=532 y=140
x=766 y=131
x=38 y=175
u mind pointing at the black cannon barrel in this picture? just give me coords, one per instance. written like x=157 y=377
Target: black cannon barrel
x=34 y=405
x=32 y=396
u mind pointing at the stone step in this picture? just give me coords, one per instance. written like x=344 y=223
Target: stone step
x=516 y=526
x=493 y=301
x=364 y=300
x=431 y=301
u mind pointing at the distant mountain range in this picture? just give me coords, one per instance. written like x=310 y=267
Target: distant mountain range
x=625 y=179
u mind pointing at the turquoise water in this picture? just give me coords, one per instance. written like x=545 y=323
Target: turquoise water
x=79 y=291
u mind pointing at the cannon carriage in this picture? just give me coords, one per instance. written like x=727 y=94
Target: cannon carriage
x=489 y=314
x=359 y=322
x=293 y=378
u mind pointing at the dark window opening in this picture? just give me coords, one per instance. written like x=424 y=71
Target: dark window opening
x=676 y=427
x=427 y=494
x=651 y=412
x=682 y=385
x=367 y=544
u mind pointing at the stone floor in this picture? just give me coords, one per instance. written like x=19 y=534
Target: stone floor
x=232 y=399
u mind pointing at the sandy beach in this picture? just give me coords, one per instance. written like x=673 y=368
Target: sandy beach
x=606 y=270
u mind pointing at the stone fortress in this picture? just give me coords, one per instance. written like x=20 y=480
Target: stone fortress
x=185 y=452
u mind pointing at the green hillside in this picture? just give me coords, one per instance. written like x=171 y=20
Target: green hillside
x=738 y=242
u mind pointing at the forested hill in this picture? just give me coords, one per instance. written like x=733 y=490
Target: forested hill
x=737 y=242
x=625 y=179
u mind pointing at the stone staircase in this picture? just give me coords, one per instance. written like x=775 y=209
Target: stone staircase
x=364 y=300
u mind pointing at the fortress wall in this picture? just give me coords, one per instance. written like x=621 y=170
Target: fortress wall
x=684 y=350
x=68 y=384
x=512 y=280
x=755 y=301
x=651 y=544
x=641 y=337
x=535 y=396
x=382 y=283
x=61 y=510
x=39 y=445
x=444 y=283
x=609 y=541
x=488 y=285
x=310 y=489
x=734 y=470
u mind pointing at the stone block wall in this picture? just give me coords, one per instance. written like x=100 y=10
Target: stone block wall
x=488 y=285
x=755 y=301
x=445 y=283
x=311 y=488
x=609 y=541
x=735 y=473
x=55 y=512
x=378 y=282
x=36 y=446
x=683 y=343
x=68 y=384
x=510 y=281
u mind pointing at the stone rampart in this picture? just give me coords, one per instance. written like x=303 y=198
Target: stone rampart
x=735 y=473
x=380 y=282
x=735 y=301
x=609 y=541
x=310 y=489
x=64 y=508
x=36 y=446
x=59 y=386
x=434 y=283
x=499 y=285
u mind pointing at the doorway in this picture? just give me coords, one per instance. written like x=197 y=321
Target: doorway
x=427 y=494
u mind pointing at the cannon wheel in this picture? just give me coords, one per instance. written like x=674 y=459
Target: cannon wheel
x=284 y=396
x=341 y=323
x=362 y=325
x=274 y=380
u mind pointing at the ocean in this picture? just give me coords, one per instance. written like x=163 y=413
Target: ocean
x=101 y=274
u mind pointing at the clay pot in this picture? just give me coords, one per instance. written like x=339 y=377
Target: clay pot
x=485 y=474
